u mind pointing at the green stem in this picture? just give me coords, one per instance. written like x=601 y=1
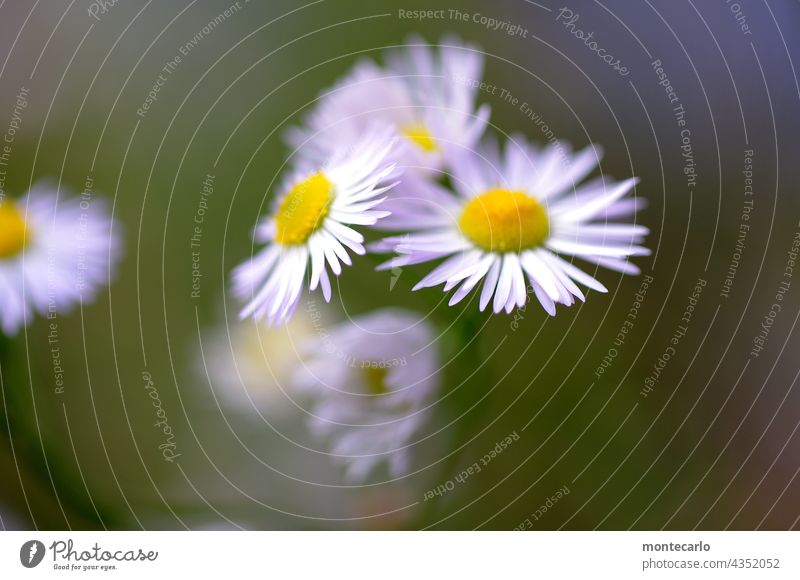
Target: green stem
x=467 y=347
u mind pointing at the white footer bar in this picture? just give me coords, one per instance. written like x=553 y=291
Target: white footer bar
x=401 y=555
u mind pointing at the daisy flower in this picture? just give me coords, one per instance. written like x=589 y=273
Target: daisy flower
x=371 y=380
x=511 y=218
x=310 y=226
x=54 y=252
x=426 y=94
x=249 y=365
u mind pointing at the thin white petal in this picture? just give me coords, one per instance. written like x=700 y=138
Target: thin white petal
x=317 y=261
x=614 y=264
x=325 y=284
x=473 y=280
x=546 y=302
x=567 y=212
x=539 y=271
x=579 y=249
x=490 y=283
x=565 y=280
x=503 y=285
x=578 y=275
x=330 y=255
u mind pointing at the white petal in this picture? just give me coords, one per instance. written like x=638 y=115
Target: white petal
x=579 y=249
x=450 y=246
x=357 y=207
x=490 y=283
x=503 y=285
x=325 y=284
x=614 y=264
x=342 y=232
x=623 y=208
x=330 y=255
x=295 y=286
x=549 y=163
x=451 y=267
x=518 y=288
x=410 y=259
x=266 y=292
x=565 y=280
x=546 y=302
x=473 y=280
x=365 y=219
x=579 y=167
x=603 y=231
x=539 y=271
x=334 y=244
x=578 y=275
x=249 y=274
x=290 y=284
x=568 y=212
x=317 y=260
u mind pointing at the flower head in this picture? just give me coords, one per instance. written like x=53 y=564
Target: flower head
x=371 y=380
x=427 y=95
x=53 y=253
x=249 y=365
x=311 y=225
x=510 y=217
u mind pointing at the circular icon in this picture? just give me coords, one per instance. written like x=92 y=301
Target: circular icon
x=31 y=553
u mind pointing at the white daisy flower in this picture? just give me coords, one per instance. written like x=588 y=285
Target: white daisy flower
x=428 y=95
x=310 y=224
x=54 y=252
x=249 y=365
x=511 y=217
x=371 y=380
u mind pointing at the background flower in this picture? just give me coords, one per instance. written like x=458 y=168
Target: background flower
x=371 y=381
x=426 y=93
x=56 y=250
x=249 y=365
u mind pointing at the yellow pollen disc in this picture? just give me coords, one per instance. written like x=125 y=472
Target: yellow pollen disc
x=418 y=134
x=375 y=379
x=13 y=230
x=303 y=210
x=501 y=220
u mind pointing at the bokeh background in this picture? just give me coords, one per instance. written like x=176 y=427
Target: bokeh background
x=713 y=446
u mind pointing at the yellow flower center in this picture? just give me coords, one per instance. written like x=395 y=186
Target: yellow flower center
x=419 y=135
x=502 y=220
x=303 y=210
x=375 y=379
x=13 y=230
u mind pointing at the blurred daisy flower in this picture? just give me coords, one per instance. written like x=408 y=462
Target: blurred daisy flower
x=427 y=95
x=54 y=252
x=310 y=224
x=370 y=381
x=510 y=217
x=249 y=365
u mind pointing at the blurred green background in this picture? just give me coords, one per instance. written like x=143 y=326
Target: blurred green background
x=713 y=446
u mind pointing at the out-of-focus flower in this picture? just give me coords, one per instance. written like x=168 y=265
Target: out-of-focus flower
x=510 y=217
x=371 y=381
x=249 y=365
x=428 y=95
x=310 y=224
x=54 y=252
